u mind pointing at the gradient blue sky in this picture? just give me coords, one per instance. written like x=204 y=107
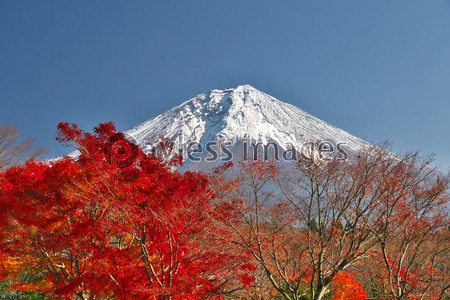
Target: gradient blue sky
x=377 y=69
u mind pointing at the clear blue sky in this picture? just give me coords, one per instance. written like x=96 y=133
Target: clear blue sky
x=377 y=69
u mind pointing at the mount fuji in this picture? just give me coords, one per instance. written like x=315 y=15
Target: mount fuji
x=237 y=123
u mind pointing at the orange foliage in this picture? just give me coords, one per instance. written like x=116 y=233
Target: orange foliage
x=347 y=288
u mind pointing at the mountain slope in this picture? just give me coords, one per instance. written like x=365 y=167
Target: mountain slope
x=236 y=118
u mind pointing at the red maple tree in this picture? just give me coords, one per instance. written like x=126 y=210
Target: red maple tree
x=114 y=223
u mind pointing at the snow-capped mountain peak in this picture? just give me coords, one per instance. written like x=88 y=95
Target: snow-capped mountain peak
x=240 y=116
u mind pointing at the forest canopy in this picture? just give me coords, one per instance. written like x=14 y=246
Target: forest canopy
x=88 y=228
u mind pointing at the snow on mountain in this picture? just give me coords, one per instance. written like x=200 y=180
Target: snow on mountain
x=238 y=121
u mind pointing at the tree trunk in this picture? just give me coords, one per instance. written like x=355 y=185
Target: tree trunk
x=320 y=292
